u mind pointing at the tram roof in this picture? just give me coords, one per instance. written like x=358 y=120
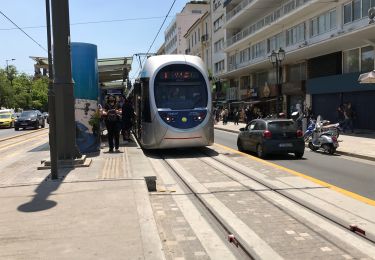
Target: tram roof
x=110 y=69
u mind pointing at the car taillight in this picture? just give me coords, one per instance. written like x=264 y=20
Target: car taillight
x=334 y=138
x=299 y=133
x=267 y=134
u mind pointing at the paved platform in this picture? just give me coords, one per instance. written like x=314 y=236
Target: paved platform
x=360 y=144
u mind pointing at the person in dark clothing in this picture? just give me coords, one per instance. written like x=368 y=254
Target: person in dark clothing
x=127 y=119
x=112 y=114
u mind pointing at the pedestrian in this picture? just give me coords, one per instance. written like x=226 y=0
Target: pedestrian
x=111 y=114
x=127 y=119
x=349 y=115
x=236 y=116
x=248 y=114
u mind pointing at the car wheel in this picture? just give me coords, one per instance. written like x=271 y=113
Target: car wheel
x=37 y=125
x=43 y=125
x=240 y=145
x=260 y=151
x=298 y=155
x=312 y=147
x=16 y=129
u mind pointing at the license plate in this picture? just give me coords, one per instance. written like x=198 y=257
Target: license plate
x=23 y=123
x=286 y=145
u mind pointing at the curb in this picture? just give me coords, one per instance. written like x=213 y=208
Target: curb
x=360 y=156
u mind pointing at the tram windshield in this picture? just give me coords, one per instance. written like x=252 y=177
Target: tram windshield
x=180 y=87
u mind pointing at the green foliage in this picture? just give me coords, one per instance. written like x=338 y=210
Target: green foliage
x=23 y=92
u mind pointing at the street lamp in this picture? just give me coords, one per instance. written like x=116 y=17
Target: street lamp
x=276 y=58
x=9 y=77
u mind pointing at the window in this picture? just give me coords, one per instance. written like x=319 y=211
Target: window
x=357 y=9
x=219 y=66
x=297 y=72
x=323 y=23
x=244 y=55
x=295 y=34
x=351 y=61
x=218 y=23
x=367 y=59
x=358 y=60
x=347 y=13
x=275 y=42
x=217 y=4
x=219 y=45
x=258 y=50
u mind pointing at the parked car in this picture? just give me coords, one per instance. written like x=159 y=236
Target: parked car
x=6 y=120
x=30 y=118
x=271 y=136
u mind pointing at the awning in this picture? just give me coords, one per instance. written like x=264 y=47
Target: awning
x=113 y=70
x=367 y=78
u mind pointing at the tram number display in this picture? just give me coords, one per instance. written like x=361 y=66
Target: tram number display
x=178 y=75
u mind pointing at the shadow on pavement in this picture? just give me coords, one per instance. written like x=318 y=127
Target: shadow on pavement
x=40 y=201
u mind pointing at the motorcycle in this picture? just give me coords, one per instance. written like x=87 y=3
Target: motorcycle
x=309 y=130
x=322 y=139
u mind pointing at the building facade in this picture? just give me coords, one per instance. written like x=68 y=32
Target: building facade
x=174 y=40
x=327 y=46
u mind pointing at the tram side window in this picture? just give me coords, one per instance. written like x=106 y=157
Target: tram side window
x=146 y=113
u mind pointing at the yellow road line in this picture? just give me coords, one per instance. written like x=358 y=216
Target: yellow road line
x=21 y=142
x=317 y=181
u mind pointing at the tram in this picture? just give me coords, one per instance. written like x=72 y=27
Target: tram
x=172 y=101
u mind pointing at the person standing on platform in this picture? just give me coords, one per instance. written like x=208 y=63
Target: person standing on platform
x=127 y=119
x=112 y=115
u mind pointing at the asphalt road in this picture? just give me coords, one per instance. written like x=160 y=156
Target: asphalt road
x=349 y=173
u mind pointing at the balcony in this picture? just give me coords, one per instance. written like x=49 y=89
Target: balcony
x=237 y=9
x=276 y=15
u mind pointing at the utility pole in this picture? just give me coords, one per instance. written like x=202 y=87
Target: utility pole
x=63 y=84
x=51 y=100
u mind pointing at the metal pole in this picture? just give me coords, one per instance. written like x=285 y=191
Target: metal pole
x=63 y=83
x=51 y=101
x=277 y=87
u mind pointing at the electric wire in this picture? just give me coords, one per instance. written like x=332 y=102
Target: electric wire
x=157 y=34
x=23 y=31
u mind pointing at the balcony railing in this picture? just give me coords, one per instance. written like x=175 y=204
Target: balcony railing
x=258 y=25
x=238 y=8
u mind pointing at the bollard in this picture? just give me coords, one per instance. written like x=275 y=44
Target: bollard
x=151 y=183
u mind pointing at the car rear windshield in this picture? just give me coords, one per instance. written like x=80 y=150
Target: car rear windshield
x=284 y=126
x=5 y=115
x=28 y=113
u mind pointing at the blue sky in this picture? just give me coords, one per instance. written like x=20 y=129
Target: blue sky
x=114 y=39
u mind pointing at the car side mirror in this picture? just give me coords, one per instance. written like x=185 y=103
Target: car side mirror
x=242 y=129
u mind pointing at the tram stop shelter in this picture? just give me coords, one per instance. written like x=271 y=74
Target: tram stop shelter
x=113 y=72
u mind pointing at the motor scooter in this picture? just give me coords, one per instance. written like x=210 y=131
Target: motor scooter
x=321 y=139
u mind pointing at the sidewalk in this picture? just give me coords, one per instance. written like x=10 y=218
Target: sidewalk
x=359 y=145
x=97 y=212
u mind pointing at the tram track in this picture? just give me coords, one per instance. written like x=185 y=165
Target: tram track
x=281 y=192
x=13 y=143
x=264 y=190
x=23 y=134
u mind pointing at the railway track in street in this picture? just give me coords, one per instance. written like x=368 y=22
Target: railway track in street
x=264 y=217
x=10 y=142
x=23 y=134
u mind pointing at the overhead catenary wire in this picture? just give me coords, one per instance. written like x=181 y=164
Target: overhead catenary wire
x=156 y=36
x=10 y=20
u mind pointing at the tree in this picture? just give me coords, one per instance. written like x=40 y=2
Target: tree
x=25 y=92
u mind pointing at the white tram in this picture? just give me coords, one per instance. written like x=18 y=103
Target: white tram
x=172 y=101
